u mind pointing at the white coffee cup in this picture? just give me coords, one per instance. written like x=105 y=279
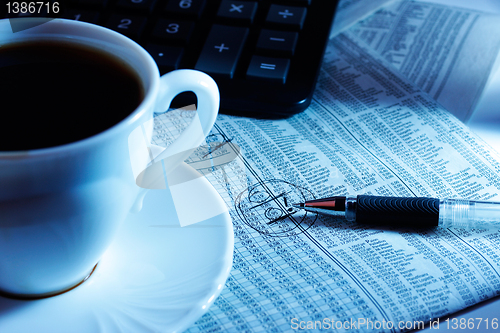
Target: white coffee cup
x=60 y=206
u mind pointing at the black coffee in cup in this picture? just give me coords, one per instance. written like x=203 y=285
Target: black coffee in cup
x=53 y=93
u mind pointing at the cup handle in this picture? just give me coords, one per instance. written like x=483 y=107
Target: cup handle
x=207 y=93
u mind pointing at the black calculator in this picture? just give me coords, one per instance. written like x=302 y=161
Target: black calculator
x=264 y=55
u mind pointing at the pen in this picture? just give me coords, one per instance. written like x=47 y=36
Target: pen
x=407 y=212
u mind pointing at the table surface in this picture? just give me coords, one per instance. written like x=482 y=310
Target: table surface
x=485 y=122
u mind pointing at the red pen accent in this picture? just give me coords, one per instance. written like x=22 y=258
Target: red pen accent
x=333 y=203
x=330 y=204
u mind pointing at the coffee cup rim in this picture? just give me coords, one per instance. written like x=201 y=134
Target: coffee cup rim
x=149 y=78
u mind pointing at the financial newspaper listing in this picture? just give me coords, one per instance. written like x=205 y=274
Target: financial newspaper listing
x=448 y=52
x=351 y=11
x=369 y=130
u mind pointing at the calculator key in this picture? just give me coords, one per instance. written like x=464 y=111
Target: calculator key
x=166 y=57
x=176 y=31
x=281 y=42
x=145 y=6
x=129 y=25
x=269 y=69
x=243 y=11
x=222 y=50
x=192 y=8
x=81 y=15
x=289 y=16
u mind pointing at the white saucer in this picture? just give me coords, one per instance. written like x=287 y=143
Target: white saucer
x=156 y=277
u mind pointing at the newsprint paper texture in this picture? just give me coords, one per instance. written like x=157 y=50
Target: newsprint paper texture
x=448 y=52
x=368 y=131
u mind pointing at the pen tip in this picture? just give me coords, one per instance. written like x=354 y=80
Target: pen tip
x=301 y=205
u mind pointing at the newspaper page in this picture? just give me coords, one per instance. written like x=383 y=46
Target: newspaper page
x=367 y=131
x=448 y=52
x=351 y=11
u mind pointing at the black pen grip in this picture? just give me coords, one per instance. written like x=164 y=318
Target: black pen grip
x=404 y=212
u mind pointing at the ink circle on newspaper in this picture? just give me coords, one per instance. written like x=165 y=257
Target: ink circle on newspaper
x=267 y=208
